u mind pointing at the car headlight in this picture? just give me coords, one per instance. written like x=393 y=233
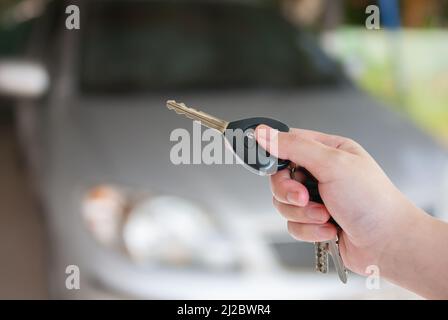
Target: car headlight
x=165 y=227
x=157 y=229
x=175 y=231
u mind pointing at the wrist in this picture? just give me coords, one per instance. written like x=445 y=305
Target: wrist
x=416 y=256
x=410 y=222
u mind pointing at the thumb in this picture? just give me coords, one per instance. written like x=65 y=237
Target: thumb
x=316 y=157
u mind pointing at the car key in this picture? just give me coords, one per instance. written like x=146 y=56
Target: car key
x=267 y=164
x=262 y=163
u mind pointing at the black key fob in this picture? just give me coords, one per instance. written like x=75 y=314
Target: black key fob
x=240 y=135
x=256 y=159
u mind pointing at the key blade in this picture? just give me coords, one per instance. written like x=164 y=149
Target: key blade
x=191 y=113
x=337 y=260
x=321 y=256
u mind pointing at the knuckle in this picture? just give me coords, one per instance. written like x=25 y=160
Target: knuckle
x=339 y=158
x=351 y=145
x=350 y=142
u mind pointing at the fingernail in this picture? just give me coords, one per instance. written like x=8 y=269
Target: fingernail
x=315 y=214
x=294 y=198
x=262 y=133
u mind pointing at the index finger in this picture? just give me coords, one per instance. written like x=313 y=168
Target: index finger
x=309 y=153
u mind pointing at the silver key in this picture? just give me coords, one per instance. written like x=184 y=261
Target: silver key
x=239 y=137
x=333 y=249
x=205 y=118
x=321 y=253
x=330 y=247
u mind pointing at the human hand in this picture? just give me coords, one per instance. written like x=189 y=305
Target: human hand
x=371 y=211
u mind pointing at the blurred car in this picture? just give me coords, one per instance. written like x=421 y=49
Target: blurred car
x=99 y=148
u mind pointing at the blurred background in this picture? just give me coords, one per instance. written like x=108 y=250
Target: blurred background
x=86 y=177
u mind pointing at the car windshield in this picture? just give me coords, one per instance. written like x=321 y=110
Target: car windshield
x=130 y=46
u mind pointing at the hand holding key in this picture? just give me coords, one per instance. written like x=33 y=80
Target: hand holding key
x=379 y=226
x=376 y=224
